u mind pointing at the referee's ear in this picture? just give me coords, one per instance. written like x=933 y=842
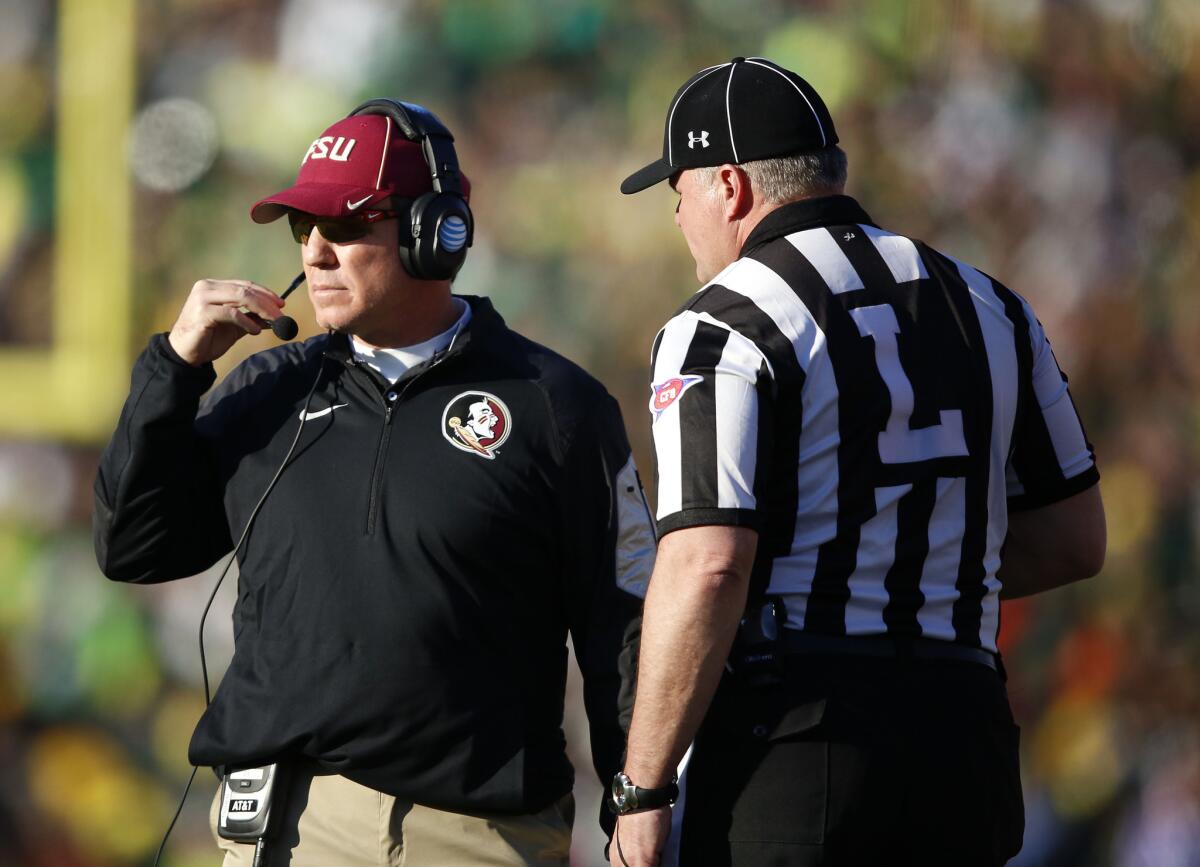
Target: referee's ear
x=734 y=191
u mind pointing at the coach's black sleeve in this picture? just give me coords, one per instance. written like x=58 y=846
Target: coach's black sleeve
x=158 y=511
x=610 y=546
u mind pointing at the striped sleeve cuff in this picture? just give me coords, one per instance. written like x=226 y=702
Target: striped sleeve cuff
x=1068 y=488
x=709 y=518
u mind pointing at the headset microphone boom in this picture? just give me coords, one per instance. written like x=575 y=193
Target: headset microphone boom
x=285 y=327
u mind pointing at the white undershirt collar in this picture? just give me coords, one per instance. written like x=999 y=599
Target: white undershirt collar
x=391 y=364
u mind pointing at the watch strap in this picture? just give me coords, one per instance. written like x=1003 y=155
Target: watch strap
x=628 y=798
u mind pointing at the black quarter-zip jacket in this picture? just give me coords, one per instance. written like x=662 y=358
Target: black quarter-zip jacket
x=403 y=602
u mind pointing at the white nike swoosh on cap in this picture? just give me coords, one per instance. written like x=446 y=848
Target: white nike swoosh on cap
x=309 y=416
x=352 y=205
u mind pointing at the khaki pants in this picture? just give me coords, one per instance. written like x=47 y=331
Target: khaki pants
x=330 y=821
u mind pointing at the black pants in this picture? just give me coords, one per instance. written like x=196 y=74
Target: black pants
x=856 y=762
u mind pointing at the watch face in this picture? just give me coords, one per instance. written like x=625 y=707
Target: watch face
x=620 y=791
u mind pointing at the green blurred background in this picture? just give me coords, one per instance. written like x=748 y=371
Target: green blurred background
x=1053 y=144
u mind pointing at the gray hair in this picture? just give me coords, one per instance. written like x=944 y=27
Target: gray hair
x=796 y=176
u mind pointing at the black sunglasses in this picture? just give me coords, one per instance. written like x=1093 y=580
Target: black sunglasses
x=336 y=231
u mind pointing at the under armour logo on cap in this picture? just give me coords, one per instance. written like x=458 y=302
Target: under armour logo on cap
x=746 y=109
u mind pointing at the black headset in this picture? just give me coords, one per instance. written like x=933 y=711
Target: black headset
x=434 y=244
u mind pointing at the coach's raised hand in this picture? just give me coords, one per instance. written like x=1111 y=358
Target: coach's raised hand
x=217 y=314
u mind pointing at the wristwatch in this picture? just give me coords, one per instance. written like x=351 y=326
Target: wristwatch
x=627 y=798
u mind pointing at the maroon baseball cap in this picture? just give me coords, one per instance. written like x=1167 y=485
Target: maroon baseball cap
x=358 y=161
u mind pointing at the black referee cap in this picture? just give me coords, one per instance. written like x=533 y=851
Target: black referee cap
x=743 y=110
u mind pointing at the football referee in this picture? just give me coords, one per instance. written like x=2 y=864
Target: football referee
x=863 y=445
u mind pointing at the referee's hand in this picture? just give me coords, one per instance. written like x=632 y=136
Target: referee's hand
x=639 y=838
x=217 y=314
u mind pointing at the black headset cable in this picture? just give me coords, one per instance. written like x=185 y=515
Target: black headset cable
x=221 y=578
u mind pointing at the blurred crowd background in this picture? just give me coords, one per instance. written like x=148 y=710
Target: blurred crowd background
x=1053 y=143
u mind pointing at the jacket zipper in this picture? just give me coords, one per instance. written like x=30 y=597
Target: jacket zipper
x=390 y=399
x=389 y=403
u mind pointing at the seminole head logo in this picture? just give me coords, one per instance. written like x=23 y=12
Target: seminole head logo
x=476 y=422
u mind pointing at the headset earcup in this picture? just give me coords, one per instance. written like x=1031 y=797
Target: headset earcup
x=409 y=255
x=442 y=229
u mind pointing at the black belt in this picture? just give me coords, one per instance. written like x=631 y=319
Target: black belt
x=884 y=646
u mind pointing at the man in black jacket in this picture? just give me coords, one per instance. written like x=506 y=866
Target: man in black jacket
x=422 y=503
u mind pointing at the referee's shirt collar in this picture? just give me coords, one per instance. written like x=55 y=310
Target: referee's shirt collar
x=805 y=214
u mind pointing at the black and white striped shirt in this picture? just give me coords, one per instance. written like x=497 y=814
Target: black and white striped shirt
x=874 y=409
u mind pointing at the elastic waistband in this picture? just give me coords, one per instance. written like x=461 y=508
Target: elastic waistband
x=886 y=647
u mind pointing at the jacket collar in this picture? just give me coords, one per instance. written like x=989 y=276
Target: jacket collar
x=805 y=214
x=485 y=324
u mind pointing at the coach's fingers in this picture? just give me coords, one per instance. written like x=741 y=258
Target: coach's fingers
x=218 y=313
x=241 y=293
x=247 y=322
